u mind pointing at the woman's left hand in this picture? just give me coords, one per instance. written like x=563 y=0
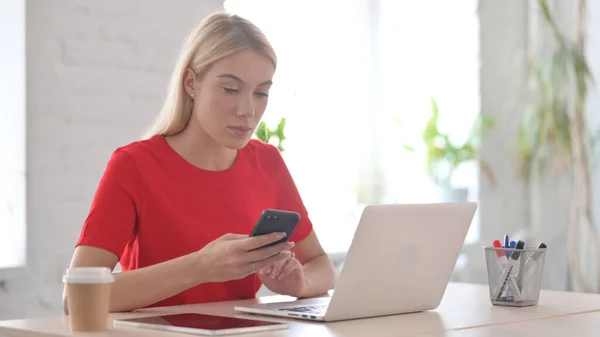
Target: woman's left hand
x=286 y=277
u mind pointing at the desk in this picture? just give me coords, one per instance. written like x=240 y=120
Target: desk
x=579 y=325
x=464 y=306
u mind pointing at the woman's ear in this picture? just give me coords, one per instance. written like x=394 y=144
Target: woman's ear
x=189 y=82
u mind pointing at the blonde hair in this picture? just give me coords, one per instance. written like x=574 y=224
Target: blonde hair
x=218 y=36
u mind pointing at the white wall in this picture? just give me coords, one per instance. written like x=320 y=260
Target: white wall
x=503 y=208
x=593 y=54
x=96 y=75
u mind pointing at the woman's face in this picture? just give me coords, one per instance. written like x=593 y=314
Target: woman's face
x=232 y=96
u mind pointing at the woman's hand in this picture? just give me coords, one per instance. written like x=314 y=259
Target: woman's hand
x=285 y=277
x=231 y=257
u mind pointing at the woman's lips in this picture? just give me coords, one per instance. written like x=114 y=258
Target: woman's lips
x=240 y=131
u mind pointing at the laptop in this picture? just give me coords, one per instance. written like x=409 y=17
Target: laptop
x=400 y=261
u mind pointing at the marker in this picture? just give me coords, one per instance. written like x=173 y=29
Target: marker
x=512 y=267
x=500 y=253
x=511 y=245
x=535 y=256
x=521 y=267
x=506 y=242
x=500 y=262
x=513 y=281
x=531 y=266
x=532 y=260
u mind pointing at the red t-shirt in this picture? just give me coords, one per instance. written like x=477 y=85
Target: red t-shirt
x=152 y=205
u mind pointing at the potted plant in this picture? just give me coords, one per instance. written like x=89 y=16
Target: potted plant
x=267 y=135
x=443 y=157
x=554 y=135
x=277 y=134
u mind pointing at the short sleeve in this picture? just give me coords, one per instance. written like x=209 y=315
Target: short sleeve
x=112 y=216
x=290 y=200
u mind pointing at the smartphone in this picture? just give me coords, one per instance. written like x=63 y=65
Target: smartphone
x=276 y=220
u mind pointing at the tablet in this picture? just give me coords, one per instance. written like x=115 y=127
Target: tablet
x=200 y=324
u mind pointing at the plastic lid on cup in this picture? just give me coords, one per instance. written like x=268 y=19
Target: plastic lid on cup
x=88 y=275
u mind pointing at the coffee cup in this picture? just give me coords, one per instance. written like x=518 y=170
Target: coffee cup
x=88 y=297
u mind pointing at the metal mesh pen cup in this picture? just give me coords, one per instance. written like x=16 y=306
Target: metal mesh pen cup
x=515 y=275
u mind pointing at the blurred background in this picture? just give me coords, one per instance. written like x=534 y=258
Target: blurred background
x=375 y=101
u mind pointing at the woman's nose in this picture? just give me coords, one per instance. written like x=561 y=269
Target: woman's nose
x=246 y=107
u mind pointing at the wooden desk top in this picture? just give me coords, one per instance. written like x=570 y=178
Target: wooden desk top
x=579 y=325
x=463 y=306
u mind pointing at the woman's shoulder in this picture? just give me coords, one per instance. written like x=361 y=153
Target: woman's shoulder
x=264 y=155
x=130 y=154
x=141 y=147
x=261 y=150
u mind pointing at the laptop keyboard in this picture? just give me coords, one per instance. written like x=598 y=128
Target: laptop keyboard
x=313 y=309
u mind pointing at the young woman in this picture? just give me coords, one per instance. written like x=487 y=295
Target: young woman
x=176 y=207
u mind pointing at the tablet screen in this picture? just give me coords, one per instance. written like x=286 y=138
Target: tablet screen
x=199 y=321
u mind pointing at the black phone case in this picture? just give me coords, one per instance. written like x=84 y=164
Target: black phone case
x=274 y=220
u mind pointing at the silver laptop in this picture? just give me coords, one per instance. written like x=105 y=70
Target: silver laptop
x=400 y=261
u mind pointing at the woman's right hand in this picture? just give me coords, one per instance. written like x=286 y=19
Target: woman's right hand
x=231 y=257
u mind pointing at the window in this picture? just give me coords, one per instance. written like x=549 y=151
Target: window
x=345 y=69
x=12 y=135
x=311 y=90
x=427 y=49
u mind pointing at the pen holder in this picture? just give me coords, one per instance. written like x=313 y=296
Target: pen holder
x=515 y=275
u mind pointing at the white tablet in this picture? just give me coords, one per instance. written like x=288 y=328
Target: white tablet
x=200 y=324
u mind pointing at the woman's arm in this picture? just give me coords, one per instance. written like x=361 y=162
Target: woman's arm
x=318 y=268
x=229 y=257
x=152 y=284
x=310 y=273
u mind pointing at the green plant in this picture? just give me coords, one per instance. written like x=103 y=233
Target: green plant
x=443 y=157
x=553 y=113
x=555 y=130
x=264 y=133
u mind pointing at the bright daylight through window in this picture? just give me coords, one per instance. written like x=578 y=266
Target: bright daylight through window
x=12 y=134
x=341 y=84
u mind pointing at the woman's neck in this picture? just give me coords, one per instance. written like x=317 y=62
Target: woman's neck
x=200 y=150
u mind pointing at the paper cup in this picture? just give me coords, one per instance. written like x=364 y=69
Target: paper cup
x=88 y=296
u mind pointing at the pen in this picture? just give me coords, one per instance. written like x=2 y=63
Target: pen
x=512 y=267
x=535 y=256
x=521 y=267
x=512 y=245
x=532 y=260
x=506 y=244
x=531 y=266
x=501 y=262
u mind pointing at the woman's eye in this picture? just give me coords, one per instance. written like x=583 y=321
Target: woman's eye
x=261 y=94
x=230 y=90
